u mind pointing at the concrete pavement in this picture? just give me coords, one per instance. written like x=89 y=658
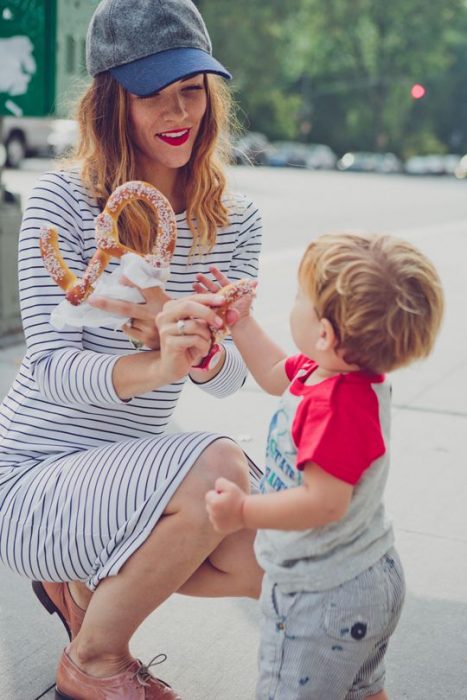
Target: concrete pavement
x=211 y=644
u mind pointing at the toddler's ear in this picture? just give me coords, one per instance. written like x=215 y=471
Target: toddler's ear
x=327 y=338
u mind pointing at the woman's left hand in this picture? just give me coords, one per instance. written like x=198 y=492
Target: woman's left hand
x=142 y=326
x=185 y=331
x=225 y=506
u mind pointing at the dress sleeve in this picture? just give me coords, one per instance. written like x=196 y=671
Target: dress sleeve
x=245 y=262
x=339 y=430
x=63 y=370
x=246 y=257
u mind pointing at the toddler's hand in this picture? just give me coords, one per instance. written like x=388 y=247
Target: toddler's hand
x=225 y=506
x=238 y=310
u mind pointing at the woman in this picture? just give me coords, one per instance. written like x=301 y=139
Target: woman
x=92 y=490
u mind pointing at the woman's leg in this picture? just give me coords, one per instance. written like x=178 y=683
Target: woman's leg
x=80 y=594
x=177 y=547
x=231 y=570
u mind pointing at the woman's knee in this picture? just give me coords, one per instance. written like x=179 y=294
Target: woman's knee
x=224 y=458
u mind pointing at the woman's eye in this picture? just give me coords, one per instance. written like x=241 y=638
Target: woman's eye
x=149 y=97
x=190 y=88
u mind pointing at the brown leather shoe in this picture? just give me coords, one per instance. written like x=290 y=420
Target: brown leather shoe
x=56 y=598
x=135 y=683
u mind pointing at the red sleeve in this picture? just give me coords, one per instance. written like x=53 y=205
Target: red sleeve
x=337 y=427
x=296 y=363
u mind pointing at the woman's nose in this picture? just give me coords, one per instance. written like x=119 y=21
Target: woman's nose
x=175 y=107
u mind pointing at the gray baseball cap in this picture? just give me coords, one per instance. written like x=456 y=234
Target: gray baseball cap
x=149 y=44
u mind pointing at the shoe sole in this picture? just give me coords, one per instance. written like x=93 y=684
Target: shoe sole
x=49 y=605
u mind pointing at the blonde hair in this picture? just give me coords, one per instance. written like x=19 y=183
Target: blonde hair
x=107 y=157
x=382 y=296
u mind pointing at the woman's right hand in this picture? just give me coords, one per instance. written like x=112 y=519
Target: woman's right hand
x=184 y=330
x=142 y=325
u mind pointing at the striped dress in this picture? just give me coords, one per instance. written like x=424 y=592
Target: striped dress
x=85 y=476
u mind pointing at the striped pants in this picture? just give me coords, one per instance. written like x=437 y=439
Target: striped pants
x=330 y=645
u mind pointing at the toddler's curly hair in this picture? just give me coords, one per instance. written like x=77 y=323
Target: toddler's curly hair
x=382 y=296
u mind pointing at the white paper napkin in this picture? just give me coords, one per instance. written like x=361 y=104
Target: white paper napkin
x=134 y=268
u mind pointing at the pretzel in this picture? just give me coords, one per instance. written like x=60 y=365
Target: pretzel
x=231 y=293
x=108 y=243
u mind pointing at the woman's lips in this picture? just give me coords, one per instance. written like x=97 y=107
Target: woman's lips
x=176 y=137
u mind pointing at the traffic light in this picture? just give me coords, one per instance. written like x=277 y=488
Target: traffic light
x=417 y=91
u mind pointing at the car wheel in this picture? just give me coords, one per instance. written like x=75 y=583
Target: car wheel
x=15 y=150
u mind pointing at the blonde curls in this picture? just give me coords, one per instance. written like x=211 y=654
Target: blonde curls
x=382 y=296
x=107 y=159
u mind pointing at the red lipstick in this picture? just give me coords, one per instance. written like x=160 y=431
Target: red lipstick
x=175 y=137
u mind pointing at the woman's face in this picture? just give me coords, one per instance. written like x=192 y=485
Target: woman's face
x=164 y=125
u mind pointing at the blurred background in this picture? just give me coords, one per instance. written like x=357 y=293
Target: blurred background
x=381 y=85
x=323 y=84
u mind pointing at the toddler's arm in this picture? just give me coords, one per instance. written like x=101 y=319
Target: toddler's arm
x=264 y=359
x=321 y=499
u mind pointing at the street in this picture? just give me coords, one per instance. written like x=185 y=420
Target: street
x=212 y=644
x=299 y=204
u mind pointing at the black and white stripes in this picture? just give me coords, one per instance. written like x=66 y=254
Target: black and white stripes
x=80 y=517
x=62 y=406
x=63 y=398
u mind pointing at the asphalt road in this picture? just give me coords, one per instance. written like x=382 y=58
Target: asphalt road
x=298 y=205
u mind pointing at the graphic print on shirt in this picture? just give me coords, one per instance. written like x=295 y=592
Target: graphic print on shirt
x=281 y=452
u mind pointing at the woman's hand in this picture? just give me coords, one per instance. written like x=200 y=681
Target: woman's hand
x=142 y=326
x=238 y=310
x=225 y=506
x=184 y=330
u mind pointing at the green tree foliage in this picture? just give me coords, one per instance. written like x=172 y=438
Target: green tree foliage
x=249 y=38
x=369 y=53
x=340 y=71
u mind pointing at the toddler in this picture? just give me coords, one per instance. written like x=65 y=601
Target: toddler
x=334 y=585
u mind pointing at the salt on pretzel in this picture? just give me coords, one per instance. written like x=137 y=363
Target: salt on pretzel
x=231 y=293
x=108 y=243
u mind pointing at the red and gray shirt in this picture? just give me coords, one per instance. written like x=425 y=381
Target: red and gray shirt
x=342 y=425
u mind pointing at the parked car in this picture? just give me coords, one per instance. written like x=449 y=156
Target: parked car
x=425 y=165
x=63 y=136
x=37 y=136
x=251 y=149
x=451 y=163
x=291 y=154
x=320 y=157
x=416 y=165
x=461 y=168
x=387 y=163
x=288 y=154
x=363 y=161
x=26 y=136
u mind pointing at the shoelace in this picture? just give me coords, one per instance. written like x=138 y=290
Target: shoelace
x=143 y=675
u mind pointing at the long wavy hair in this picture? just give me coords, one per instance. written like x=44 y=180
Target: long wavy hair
x=107 y=158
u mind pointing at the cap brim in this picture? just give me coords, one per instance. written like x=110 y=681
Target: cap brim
x=153 y=73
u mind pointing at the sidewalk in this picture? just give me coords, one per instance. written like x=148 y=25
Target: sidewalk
x=211 y=644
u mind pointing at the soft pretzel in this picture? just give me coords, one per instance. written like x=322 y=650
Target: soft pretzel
x=108 y=243
x=231 y=293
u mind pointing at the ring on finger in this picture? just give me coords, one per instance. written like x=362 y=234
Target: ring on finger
x=181 y=327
